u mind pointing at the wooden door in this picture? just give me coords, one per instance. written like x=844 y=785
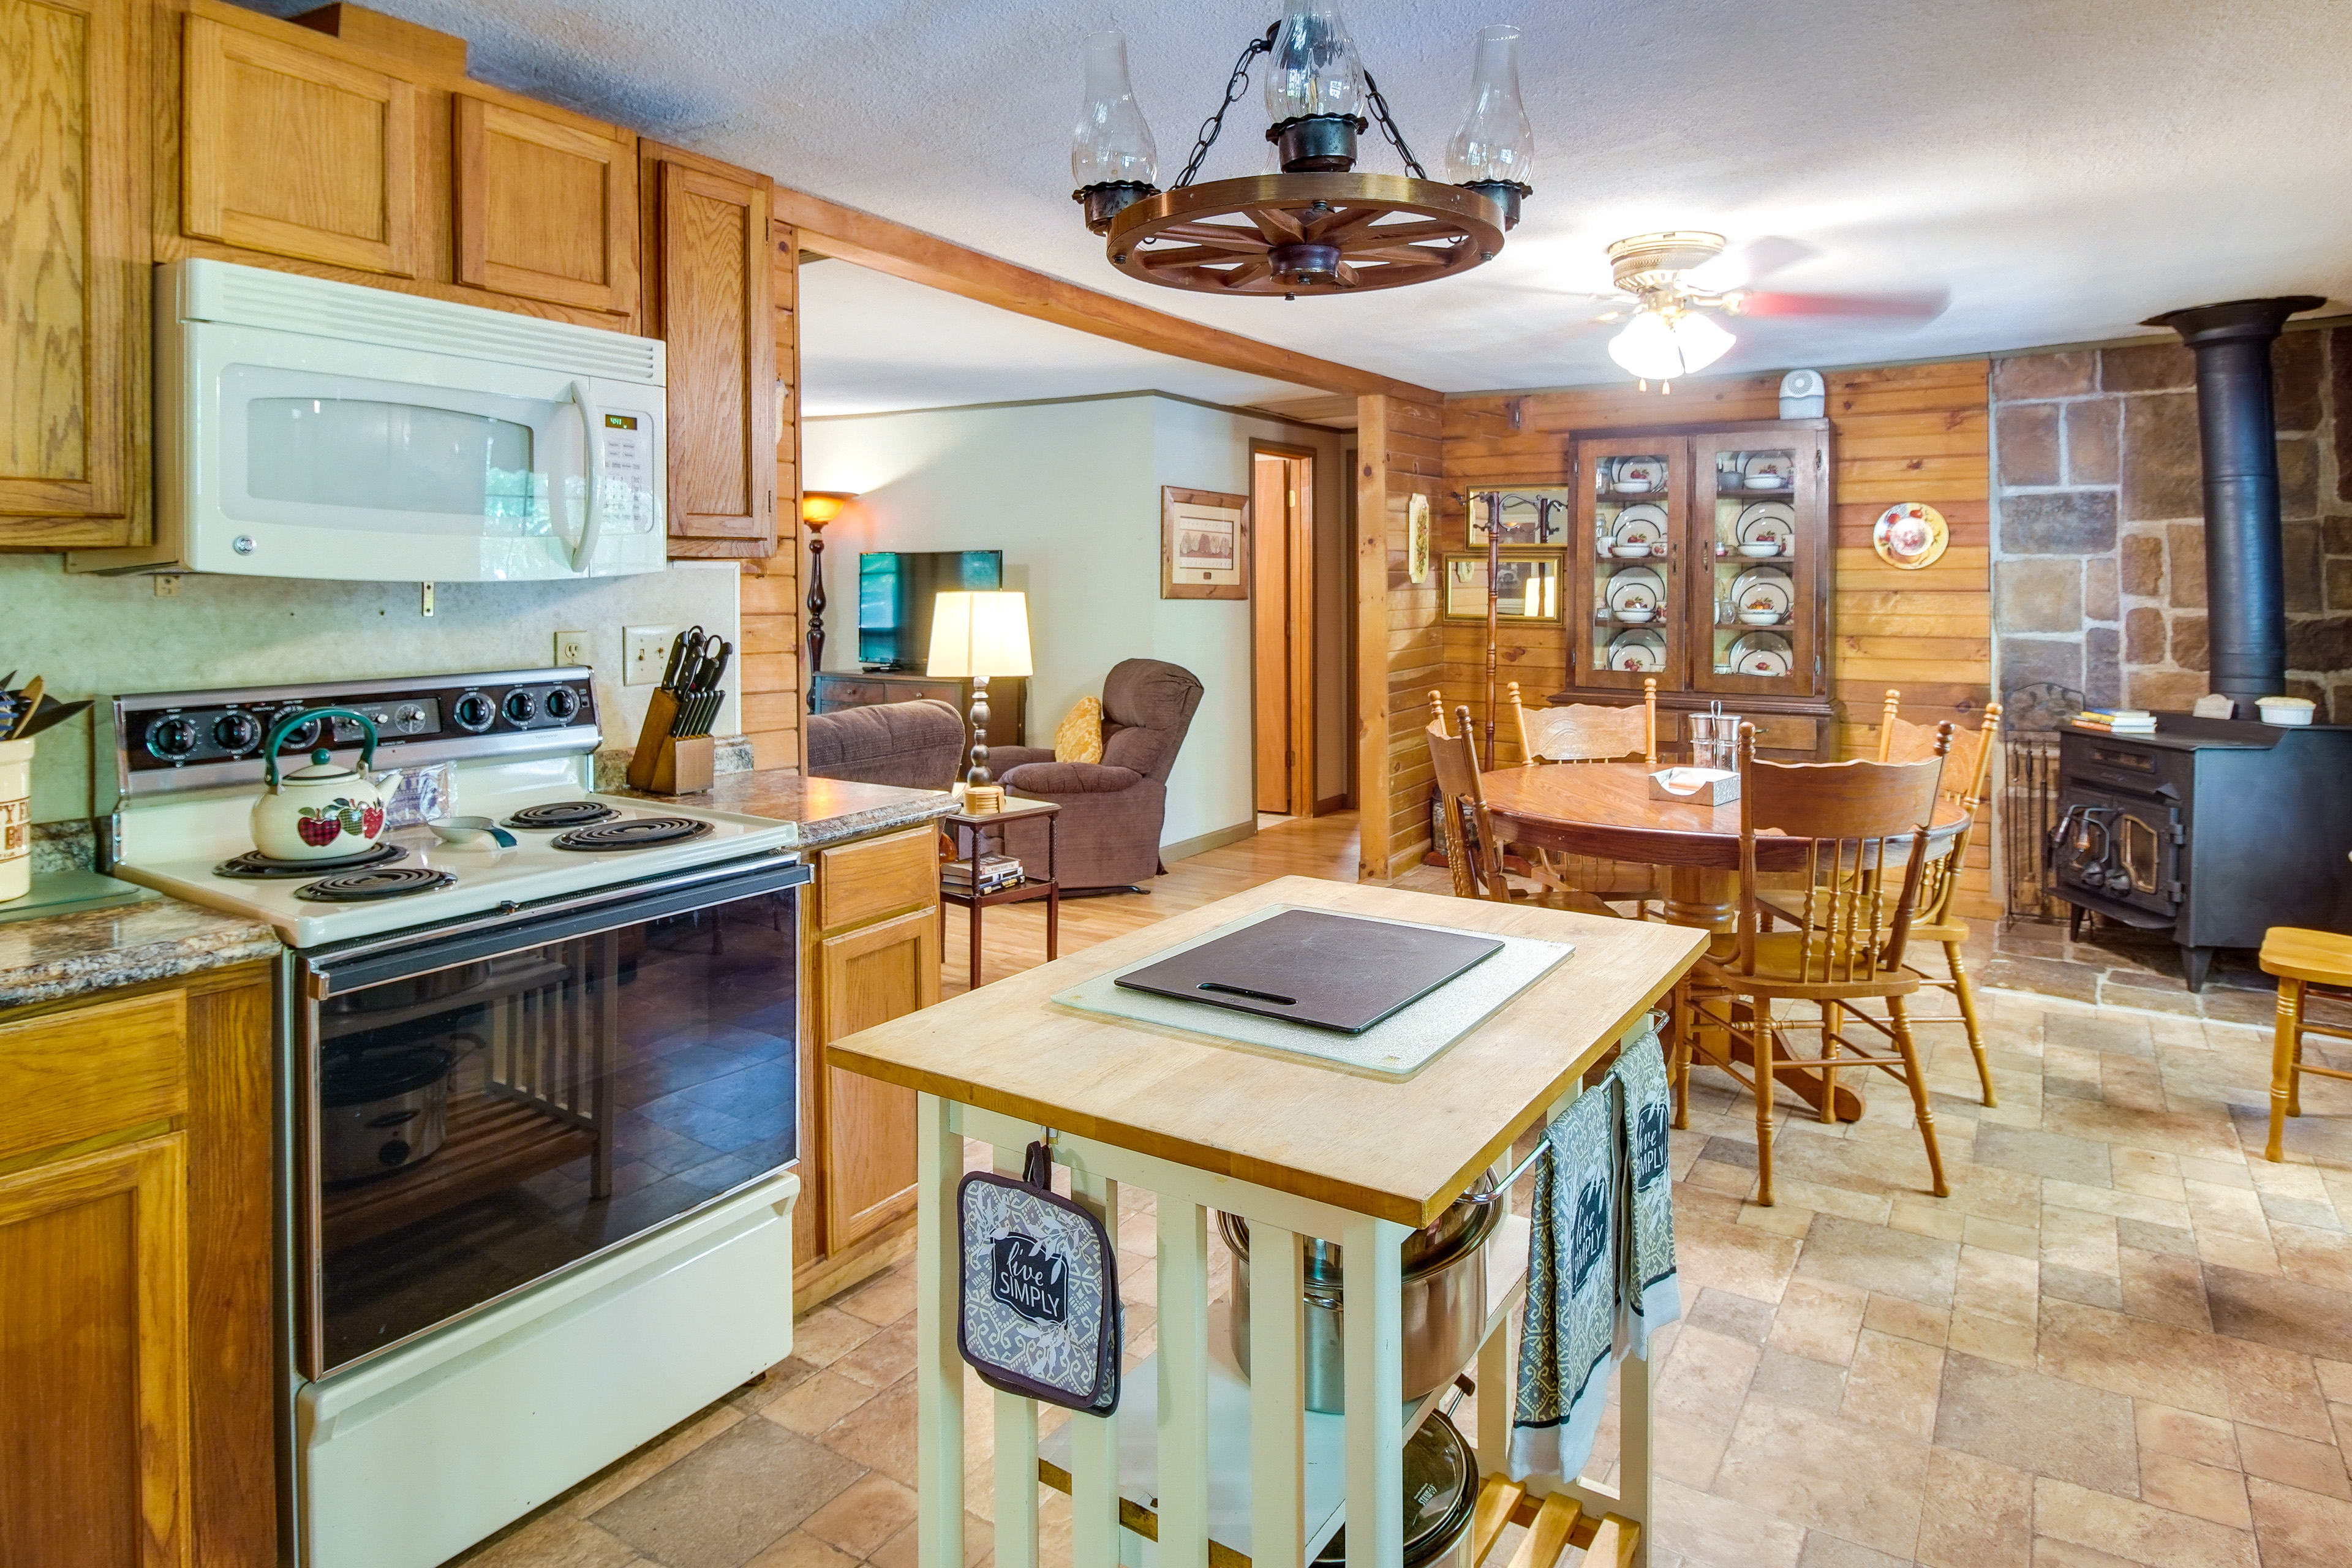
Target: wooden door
x=1762 y=484
x=715 y=289
x=1270 y=501
x=866 y=977
x=1629 y=490
x=298 y=152
x=547 y=209
x=73 y=281
x=93 y=1360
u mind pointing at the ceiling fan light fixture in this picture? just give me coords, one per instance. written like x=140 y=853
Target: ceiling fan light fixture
x=1113 y=159
x=1665 y=344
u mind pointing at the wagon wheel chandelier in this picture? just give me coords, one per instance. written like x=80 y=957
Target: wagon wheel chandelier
x=1319 y=226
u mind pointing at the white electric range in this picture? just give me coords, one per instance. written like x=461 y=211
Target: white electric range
x=538 y=1097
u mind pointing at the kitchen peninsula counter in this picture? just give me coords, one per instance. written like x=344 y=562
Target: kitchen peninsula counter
x=50 y=958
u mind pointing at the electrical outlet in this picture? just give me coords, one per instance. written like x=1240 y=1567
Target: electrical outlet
x=644 y=653
x=571 y=648
x=167 y=585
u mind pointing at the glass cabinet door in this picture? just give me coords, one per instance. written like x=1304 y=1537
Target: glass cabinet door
x=1759 y=538
x=1628 y=550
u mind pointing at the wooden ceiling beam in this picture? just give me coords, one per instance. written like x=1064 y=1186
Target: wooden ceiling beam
x=831 y=229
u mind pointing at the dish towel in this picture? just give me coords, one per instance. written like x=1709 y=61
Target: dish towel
x=1568 y=1334
x=1648 y=1295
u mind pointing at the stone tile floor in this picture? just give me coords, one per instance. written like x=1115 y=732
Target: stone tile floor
x=2126 y=968
x=2124 y=1339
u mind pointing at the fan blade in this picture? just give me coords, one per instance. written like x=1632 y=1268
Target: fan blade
x=1922 y=307
x=1745 y=264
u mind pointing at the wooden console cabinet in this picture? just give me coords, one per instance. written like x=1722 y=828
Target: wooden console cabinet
x=137 y=1380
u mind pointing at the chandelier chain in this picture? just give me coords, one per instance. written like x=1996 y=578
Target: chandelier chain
x=1234 y=88
x=1389 y=128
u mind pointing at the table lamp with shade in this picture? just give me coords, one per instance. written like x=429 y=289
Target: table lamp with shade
x=974 y=636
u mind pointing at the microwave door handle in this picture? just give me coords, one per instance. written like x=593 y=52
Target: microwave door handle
x=592 y=525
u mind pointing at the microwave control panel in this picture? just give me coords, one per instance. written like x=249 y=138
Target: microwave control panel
x=201 y=736
x=627 y=443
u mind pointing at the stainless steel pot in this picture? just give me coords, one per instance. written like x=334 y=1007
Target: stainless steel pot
x=382 y=1111
x=1444 y=1301
x=1441 y=1494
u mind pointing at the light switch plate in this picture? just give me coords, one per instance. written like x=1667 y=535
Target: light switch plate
x=645 y=650
x=571 y=648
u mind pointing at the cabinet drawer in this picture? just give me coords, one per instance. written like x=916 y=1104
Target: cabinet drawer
x=861 y=882
x=70 y=1076
x=1787 y=732
x=832 y=694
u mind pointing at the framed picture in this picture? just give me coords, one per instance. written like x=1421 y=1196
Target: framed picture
x=1532 y=515
x=1204 y=544
x=1531 y=586
x=1416 y=537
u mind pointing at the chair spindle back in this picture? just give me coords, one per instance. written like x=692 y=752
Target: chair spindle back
x=1588 y=732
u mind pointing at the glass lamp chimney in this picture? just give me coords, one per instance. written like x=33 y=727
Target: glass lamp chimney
x=1315 y=70
x=1113 y=159
x=1494 y=152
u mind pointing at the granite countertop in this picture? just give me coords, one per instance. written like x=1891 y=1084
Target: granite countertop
x=829 y=811
x=51 y=957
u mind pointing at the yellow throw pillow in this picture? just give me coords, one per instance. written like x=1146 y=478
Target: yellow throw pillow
x=1078 y=737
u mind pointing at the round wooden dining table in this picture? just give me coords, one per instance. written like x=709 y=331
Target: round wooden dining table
x=1605 y=810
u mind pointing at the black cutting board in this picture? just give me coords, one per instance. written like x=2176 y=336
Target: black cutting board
x=1334 y=972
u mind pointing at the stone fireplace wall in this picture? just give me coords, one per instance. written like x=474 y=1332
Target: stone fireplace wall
x=2099 y=530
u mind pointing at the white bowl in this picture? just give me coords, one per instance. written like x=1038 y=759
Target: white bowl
x=1633 y=487
x=1760 y=618
x=471 y=833
x=1635 y=618
x=1767 y=482
x=1630 y=551
x=1763 y=551
x=2291 y=711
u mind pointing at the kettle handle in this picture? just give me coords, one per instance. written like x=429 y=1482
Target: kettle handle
x=287 y=726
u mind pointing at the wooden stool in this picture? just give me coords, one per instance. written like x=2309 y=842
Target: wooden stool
x=2299 y=959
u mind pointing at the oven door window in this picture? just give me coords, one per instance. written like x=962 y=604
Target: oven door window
x=478 y=1128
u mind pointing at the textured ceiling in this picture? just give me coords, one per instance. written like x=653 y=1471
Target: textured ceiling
x=2063 y=168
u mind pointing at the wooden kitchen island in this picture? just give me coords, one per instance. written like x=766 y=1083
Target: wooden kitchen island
x=1297 y=1148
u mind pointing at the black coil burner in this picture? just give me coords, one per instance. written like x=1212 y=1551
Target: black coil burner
x=562 y=814
x=638 y=833
x=389 y=882
x=253 y=863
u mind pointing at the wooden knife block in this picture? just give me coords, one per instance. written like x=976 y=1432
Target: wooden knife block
x=665 y=763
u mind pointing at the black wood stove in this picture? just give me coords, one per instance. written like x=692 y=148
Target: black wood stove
x=2215 y=829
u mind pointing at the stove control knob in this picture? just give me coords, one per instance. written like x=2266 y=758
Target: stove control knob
x=171 y=738
x=301 y=738
x=521 y=707
x=563 y=702
x=473 y=711
x=236 y=731
x=410 y=717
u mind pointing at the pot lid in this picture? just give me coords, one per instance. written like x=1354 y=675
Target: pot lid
x=1441 y=1489
x=322 y=767
x=1432 y=1246
x=364 y=1079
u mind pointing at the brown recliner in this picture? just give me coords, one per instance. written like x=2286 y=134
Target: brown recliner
x=916 y=745
x=1111 y=810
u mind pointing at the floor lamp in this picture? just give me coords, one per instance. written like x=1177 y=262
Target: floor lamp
x=974 y=636
x=817 y=508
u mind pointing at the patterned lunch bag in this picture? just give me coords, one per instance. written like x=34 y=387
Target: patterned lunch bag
x=1040 y=1313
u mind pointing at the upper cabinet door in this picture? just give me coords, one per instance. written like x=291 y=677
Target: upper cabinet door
x=546 y=209
x=716 y=316
x=297 y=151
x=73 y=285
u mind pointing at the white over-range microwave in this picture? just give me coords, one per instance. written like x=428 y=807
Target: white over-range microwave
x=308 y=428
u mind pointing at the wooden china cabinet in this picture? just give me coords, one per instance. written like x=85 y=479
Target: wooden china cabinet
x=1700 y=557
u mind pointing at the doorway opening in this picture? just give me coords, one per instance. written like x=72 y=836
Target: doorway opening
x=1282 y=626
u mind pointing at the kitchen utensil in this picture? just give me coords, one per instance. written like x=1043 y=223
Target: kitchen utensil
x=1443 y=1297
x=1765 y=481
x=50 y=714
x=1441 y=1491
x=677 y=657
x=1332 y=971
x=1630 y=551
x=1715 y=740
x=16 y=811
x=1636 y=616
x=2292 y=712
x=382 y=1111
x=1760 y=618
x=471 y=833
x=320 y=812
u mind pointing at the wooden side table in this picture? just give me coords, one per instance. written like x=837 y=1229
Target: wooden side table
x=969 y=831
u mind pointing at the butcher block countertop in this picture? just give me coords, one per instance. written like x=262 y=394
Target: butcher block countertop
x=1397 y=1151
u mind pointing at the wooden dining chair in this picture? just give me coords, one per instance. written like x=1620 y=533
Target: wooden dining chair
x=1473 y=852
x=1862 y=826
x=2301 y=960
x=1585 y=732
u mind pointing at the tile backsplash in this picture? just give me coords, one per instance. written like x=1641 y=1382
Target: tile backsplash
x=98 y=637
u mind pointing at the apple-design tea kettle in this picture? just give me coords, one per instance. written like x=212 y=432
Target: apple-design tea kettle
x=320 y=812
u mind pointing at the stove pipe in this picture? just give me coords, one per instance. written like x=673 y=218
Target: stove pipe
x=2245 y=590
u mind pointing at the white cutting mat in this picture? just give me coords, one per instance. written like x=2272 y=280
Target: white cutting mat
x=1396 y=1047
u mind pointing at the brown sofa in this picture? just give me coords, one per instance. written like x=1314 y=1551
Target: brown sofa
x=916 y=745
x=1111 y=810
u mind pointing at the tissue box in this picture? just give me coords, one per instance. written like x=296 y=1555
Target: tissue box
x=1699 y=786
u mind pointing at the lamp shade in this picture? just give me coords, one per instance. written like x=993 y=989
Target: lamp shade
x=980 y=634
x=1658 y=345
x=821 y=506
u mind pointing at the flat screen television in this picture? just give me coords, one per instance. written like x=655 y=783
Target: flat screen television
x=895 y=590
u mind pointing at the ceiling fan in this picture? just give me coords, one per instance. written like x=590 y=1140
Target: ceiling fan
x=1673 y=283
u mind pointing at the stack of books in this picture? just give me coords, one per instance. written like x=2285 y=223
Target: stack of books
x=2117 y=720
x=997 y=872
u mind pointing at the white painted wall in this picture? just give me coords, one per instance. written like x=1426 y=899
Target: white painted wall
x=1070 y=492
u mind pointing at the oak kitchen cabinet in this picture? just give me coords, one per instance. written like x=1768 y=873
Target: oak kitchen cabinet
x=710 y=286
x=546 y=210
x=871 y=953
x=73 y=283
x=137 y=1381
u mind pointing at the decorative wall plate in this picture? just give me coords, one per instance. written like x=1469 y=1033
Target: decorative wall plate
x=1910 y=534
x=1416 y=539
